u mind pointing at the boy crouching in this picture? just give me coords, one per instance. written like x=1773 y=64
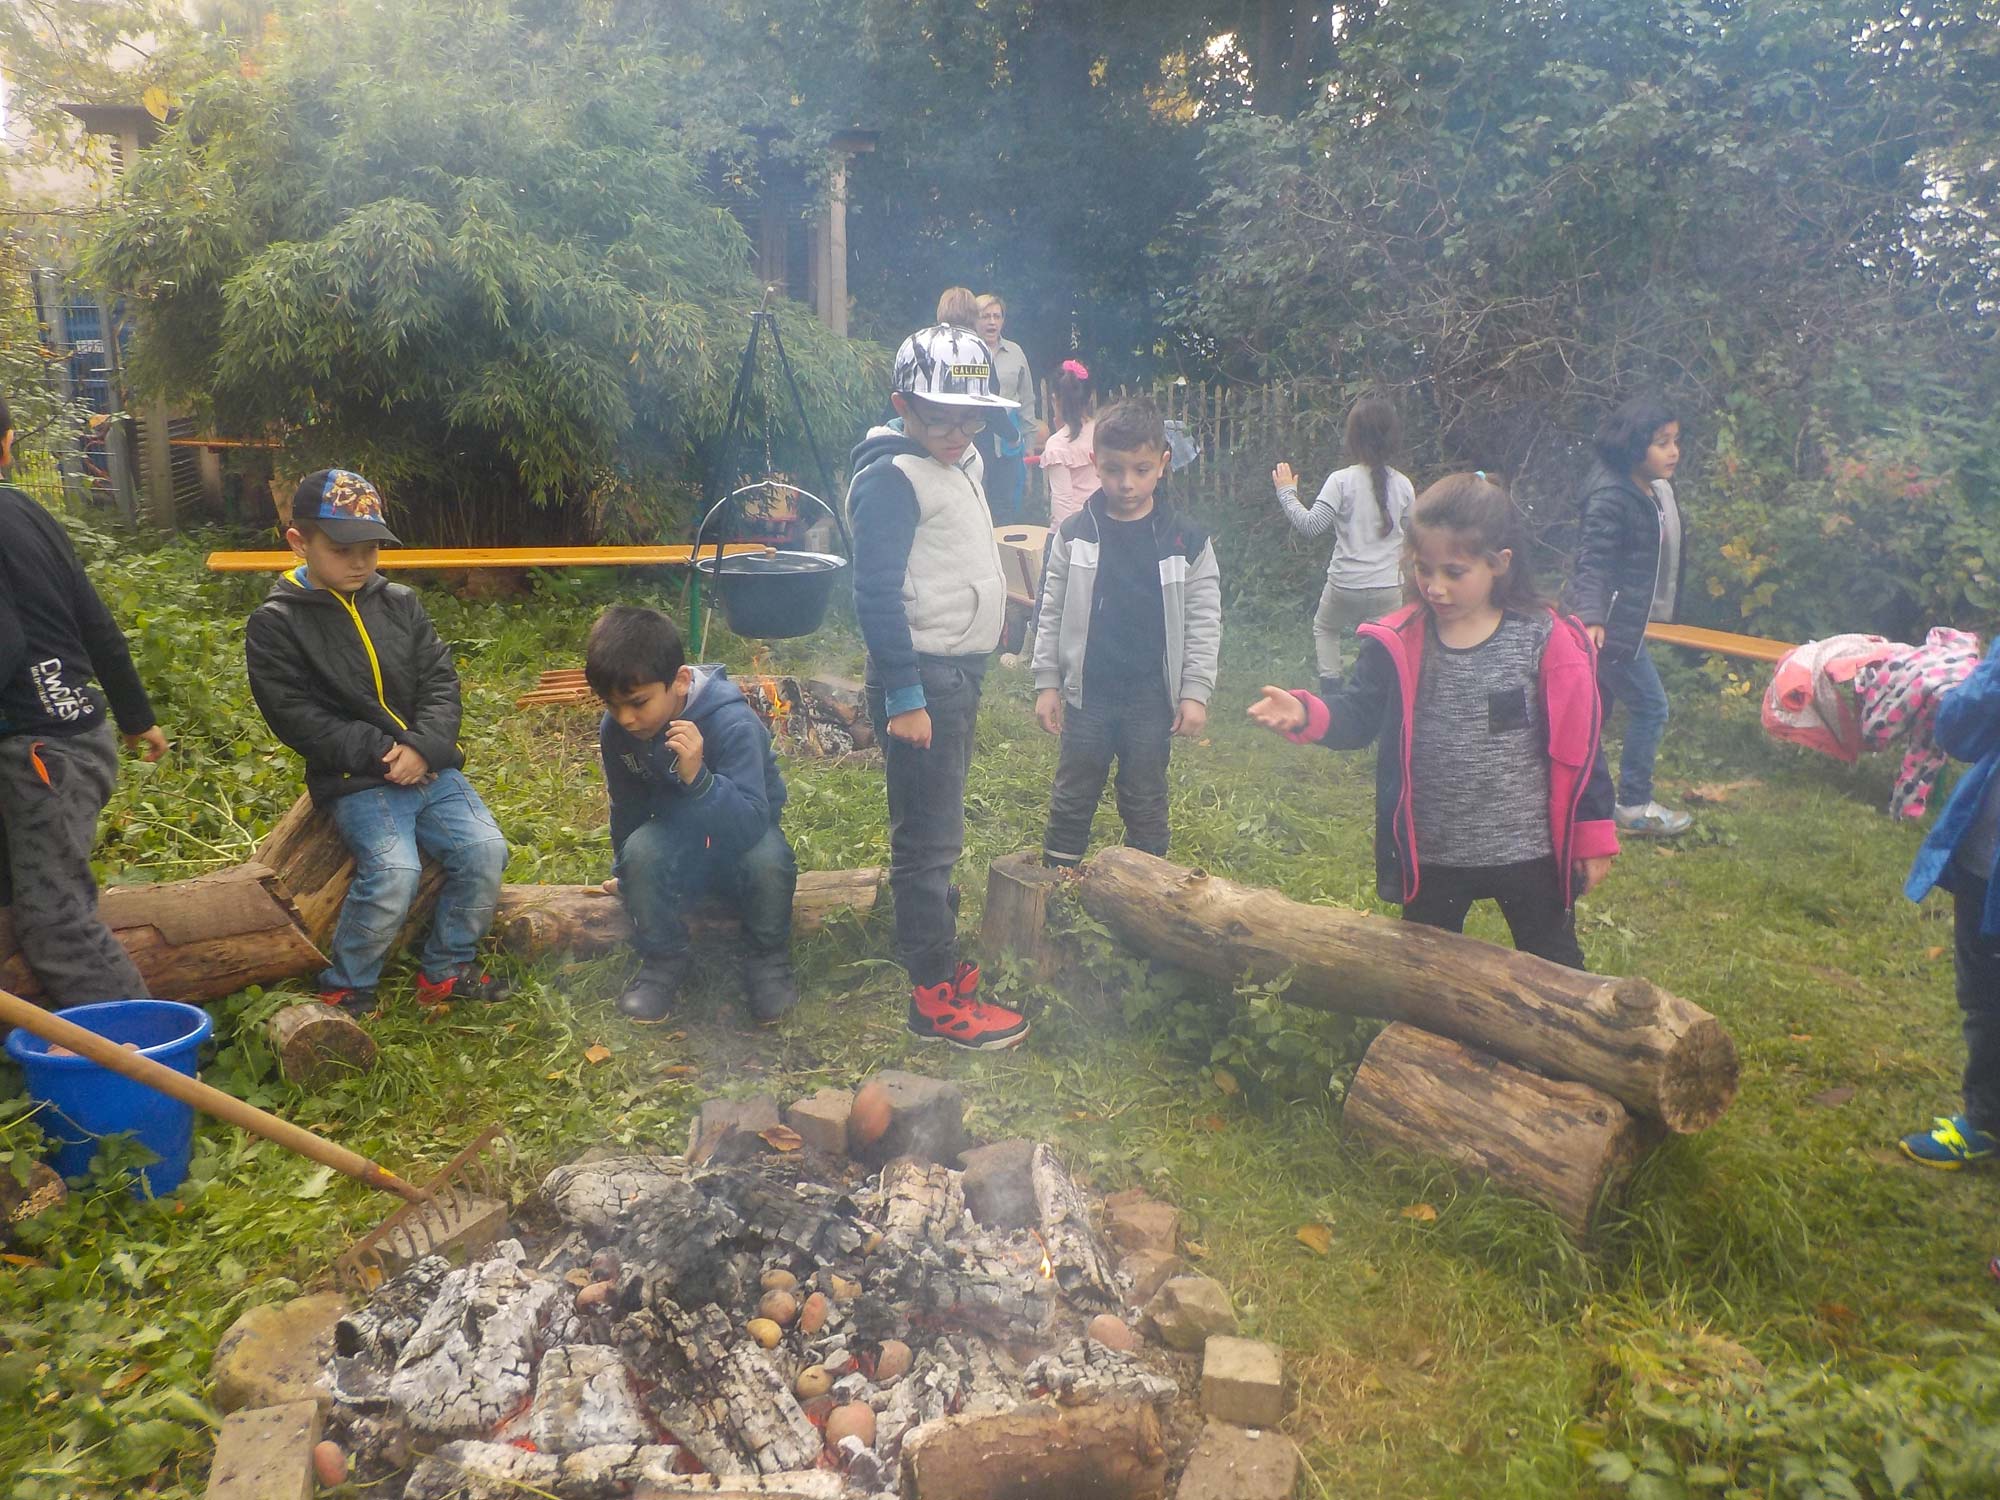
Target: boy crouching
x=695 y=797
x=349 y=671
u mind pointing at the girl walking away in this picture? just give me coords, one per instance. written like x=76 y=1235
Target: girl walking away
x=1489 y=781
x=1364 y=506
x=1069 y=460
x=1629 y=564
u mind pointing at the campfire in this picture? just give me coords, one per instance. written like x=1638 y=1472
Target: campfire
x=821 y=717
x=789 y=1321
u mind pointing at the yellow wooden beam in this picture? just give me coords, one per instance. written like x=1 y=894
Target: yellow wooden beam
x=1720 y=642
x=397 y=559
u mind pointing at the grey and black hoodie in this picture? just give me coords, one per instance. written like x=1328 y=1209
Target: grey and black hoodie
x=927 y=577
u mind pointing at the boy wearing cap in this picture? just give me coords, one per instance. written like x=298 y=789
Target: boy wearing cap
x=58 y=756
x=349 y=672
x=930 y=598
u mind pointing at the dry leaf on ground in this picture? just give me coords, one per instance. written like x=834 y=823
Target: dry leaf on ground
x=781 y=1138
x=1421 y=1213
x=1316 y=1238
x=597 y=1052
x=1718 y=791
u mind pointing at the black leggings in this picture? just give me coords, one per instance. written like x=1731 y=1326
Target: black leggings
x=1530 y=895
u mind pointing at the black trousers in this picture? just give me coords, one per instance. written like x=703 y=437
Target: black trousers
x=1976 y=959
x=927 y=812
x=1139 y=735
x=1530 y=895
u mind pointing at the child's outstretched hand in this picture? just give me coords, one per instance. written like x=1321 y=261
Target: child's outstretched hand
x=1190 y=719
x=1590 y=873
x=1284 y=478
x=1049 y=710
x=1279 y=711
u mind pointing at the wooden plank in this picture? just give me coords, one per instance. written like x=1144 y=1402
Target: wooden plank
x=1719 y=642
x=395 y=559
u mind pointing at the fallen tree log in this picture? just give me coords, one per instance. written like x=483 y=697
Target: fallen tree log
x=1106 y=1449
x=313 y=861
x=1659 y=1055
x=585 y=919
x=1567 y=1146
x=193 y=940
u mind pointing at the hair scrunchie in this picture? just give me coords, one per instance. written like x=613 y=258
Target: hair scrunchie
x=1075 y=367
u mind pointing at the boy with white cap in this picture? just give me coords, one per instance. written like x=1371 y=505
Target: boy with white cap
x=931 y=599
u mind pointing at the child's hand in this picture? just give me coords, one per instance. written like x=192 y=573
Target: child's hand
x=1596 y=634
x=1049 y=710
x=151 y=745
x=912 y=727
x=684 y=744
x=1284 y=478
x=609 y=887
x=404 y=766
x=1192 y=718
x=1279 y=711
x=1589 y=873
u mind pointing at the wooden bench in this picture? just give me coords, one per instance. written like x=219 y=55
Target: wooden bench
x=402 y=559
x=1718 y=642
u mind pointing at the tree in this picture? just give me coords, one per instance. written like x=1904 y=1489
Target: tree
x=451 y=243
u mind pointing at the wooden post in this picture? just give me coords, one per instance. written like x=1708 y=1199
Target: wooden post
x=1018 y=887
x=1660 y=1055
x=1567 y=1146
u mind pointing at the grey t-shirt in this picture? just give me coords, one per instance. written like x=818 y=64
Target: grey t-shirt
x=1479 y=760
x=1666 y=581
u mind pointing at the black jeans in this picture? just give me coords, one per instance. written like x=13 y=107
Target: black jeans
x=927 y=811
x=1530 y=895
x=1140 y=736
x=1977 y=967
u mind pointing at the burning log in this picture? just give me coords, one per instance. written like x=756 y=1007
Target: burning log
x=1110 y=1451
x=1565 y=1145
x=193 y=940
x=1658 y=1054
x=923 y=1203
x=1076 y=1259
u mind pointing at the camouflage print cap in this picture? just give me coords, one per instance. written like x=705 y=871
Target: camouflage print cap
x=948 y=366
x=344 y=506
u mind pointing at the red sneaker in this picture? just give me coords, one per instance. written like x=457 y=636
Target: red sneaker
x=468 y=983
x=936 y=1012
x=357 y=1003
x=966 y=981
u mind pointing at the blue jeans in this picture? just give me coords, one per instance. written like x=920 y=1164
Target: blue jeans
x=667 y=867
x=389 y=829
x=1635 y=682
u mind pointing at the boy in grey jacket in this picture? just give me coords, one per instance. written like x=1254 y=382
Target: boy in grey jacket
x=1130 y=633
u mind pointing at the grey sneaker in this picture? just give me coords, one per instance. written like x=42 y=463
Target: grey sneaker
x=1652 y=821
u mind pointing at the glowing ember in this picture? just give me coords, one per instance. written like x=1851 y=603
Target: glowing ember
x=1048 y=1266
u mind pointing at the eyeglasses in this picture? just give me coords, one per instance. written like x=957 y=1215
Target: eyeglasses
x=937 y=422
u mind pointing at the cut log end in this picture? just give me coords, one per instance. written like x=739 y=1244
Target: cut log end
x=1700 y=1079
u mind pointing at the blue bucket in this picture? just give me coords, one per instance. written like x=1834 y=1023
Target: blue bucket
x=86 y=1101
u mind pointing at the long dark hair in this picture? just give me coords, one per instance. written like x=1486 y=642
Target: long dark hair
x=1482 y=517
x=1071 y=390
x=1374 y=432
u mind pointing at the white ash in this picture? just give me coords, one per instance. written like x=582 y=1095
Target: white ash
x=1084 y=1370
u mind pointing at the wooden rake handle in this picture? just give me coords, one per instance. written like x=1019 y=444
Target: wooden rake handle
x=212 y=1101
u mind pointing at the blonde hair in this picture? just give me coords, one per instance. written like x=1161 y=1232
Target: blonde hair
x=958 y=307
x=992 y=299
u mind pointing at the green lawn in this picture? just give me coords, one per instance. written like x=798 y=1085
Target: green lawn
x=1784 y=1283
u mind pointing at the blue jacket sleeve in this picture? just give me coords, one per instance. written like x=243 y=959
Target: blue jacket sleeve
x=632 y=802
x=729 y=800
x=884 y=508
x=1968 y=717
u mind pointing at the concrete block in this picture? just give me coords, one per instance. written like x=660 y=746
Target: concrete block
x=1187 y=1309
x=1231 y=1464
x=821 y=1120
x=266 y=1453
x=1243 y=1381
x=276 y=1354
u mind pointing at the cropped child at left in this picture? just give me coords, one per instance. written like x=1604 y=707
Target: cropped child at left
x=349 y=671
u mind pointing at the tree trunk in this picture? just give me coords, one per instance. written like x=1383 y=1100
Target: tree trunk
x=317 y=1044
x=584 y=919
x=193 y=940
x=1017 y=912
x=1565 y=1145
x=1658 y=1054
x=1105 y=1450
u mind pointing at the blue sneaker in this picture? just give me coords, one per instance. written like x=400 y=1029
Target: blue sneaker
x=1950 y=1144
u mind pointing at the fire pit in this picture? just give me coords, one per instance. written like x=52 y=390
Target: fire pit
x=758 y=1318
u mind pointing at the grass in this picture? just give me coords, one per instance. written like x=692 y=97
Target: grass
x=1474 y=1353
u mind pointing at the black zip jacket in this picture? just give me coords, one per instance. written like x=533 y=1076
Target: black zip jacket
x=56 y=635
x=1618 y=560
x=343 y=680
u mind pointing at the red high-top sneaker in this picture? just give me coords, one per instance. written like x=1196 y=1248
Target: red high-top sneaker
x=937 y=1012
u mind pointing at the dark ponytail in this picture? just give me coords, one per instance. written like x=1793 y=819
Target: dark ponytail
x=1374 y=432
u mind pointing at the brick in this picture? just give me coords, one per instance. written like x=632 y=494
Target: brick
x=1000 y=1186
x=726 y=1130
x=1231 y=1464
x=1243 y=1381
x=276 y=1354
x=266 y=1453
x=1134 y=1220
x=821 y=1120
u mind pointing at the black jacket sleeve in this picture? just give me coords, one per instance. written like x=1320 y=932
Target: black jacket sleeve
x=110 y=656
x=1367 y=696
x=13 y=640
x=1602 y=540
x=281 y=682
x=884 y=507
x=438 y=711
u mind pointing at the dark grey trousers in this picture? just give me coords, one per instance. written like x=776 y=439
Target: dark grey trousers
x=1139 y=735
x=51 y=791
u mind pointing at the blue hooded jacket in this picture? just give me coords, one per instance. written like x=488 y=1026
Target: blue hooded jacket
x=733 y=802
x=1967 y=728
